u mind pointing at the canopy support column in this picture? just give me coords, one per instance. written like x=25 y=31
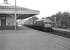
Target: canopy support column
x=15 y=15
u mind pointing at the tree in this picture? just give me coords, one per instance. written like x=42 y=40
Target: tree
x=62 y=19
x=34 y=19
x=31 y=20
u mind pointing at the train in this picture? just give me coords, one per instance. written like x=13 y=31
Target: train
x=45 y=26
x=41 y=25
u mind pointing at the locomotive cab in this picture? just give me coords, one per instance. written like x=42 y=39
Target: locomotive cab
x=48 y=26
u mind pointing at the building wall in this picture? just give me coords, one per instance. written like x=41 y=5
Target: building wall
x=10 y=21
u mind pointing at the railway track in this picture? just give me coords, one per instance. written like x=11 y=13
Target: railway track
x=64 y=34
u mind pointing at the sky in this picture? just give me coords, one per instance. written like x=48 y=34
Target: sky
x=46 y=7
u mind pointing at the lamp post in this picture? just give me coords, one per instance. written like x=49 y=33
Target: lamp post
x=55 y=22
x=15 y=14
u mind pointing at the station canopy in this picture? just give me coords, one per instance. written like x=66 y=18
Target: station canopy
x=10 y=9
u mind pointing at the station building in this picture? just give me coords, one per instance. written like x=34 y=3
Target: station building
x=8 y=18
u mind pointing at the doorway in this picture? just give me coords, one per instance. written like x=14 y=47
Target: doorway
x=3 y=21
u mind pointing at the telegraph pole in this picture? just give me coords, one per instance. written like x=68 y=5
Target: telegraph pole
x=15 y=15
